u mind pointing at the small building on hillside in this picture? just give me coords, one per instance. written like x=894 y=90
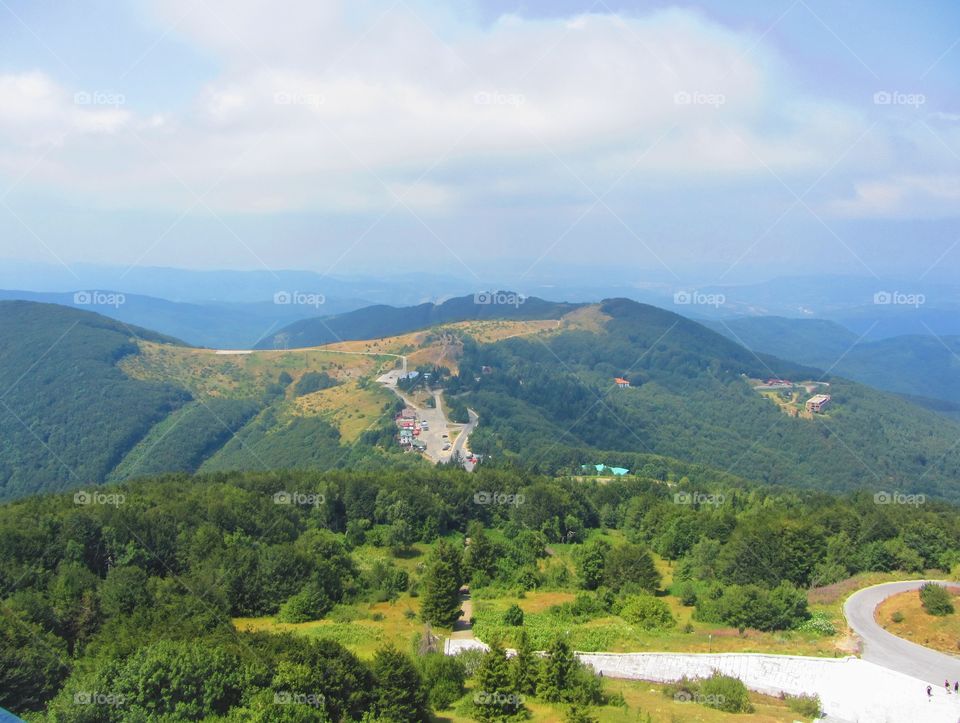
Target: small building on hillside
x=818 y=403
x=622 y=383
x=408 y=413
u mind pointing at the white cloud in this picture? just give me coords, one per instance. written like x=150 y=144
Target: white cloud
x=906 y=196
x=337 y=106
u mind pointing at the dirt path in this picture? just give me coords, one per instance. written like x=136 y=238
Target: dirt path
x=463 y=628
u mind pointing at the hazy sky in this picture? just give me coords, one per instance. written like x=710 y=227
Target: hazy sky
x=748 y=138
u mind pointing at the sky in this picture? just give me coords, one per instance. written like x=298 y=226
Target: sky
x=738 y=141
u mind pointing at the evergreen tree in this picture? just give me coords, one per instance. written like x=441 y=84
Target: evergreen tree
x=401 y=697
x=496 y=698
x=441 y=598
x=559 y=672
x=526 y=667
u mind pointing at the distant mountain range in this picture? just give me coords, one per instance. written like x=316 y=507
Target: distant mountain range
x=379 y=321
x=214 y=325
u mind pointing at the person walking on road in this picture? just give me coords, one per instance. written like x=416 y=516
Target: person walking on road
x=956 y=686
x=946 y=684
x=929 y=692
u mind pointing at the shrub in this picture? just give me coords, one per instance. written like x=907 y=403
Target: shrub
x=513 y=616
x=805 y=705
x=897 y=617
x=647 y=612
x=443 y=677
x=818 y=623
x=936 y=599
x=725 y=693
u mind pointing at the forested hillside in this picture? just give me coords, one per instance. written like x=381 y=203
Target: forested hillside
x=137 y=590
x=68 y=415
x=690 y=398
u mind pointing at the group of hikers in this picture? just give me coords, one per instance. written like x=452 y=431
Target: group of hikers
x=946 y=685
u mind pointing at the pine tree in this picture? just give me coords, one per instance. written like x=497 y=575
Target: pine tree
x=559 y=672
x=496 y=698
x=400 y=694
x=441 y=598
x=526 y=667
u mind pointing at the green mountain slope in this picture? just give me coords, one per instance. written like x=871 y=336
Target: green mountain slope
x=378 y=321
x=690 y=399
x=920 y=366
x=68 y=415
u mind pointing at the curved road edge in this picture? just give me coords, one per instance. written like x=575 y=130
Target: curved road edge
x=886 y=649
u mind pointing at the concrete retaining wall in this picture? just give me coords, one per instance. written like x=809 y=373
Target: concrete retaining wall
x=850 y=689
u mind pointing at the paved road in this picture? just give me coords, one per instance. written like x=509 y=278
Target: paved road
x=440 y=429
x=883 y=648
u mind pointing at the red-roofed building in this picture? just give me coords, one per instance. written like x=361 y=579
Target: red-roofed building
x=622 y=383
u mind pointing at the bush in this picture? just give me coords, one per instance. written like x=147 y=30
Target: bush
x=818 y=623
x=805 y=705
x=725 y=693
x=513 y=616
x=936 y=599
x=897 y=617
x=443 y=678
x=647 y=612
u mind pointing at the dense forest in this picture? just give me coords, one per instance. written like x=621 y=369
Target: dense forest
x=130 y=590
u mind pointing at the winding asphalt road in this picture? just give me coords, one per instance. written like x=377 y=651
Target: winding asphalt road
x=889 y=651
